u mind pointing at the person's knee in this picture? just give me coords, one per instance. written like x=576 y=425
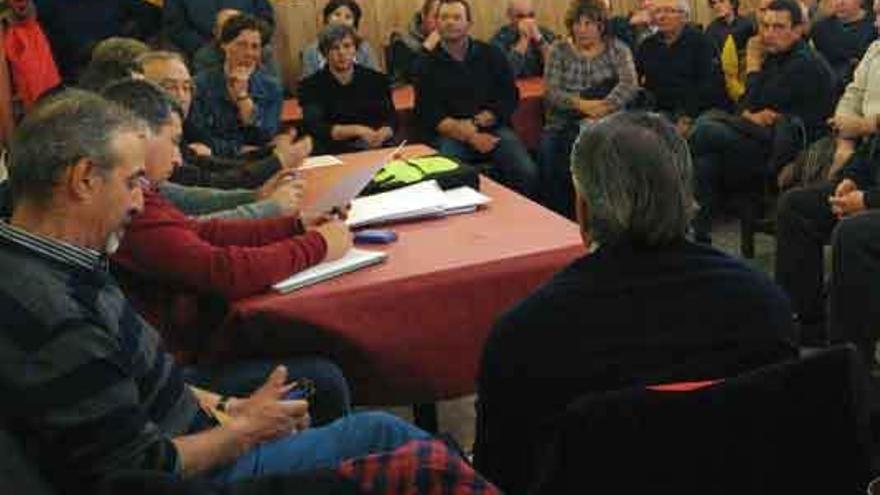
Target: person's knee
x=706 y=135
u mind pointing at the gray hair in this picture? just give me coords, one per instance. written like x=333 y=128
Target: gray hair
x=119 y=49
x=159 y=56
x=634 y=172
x=334 y=33
x=59 y=132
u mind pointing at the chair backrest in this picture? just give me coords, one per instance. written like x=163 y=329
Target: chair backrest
x=794 y=427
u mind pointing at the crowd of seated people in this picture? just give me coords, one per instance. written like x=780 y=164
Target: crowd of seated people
x=179 y=146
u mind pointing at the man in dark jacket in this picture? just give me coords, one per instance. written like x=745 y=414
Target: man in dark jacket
x=785 y=107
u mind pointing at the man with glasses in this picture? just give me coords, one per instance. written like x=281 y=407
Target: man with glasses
x=679 y=66
x=525 y=43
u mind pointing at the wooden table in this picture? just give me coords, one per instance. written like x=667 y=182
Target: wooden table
x=412 y=329
x=528 y=119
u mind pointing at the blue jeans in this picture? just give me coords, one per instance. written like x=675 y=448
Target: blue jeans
x=332 y=397
x=554 y=158
x=509 y=156
x=356 y=435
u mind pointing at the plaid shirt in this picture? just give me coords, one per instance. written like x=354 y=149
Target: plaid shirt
x=425 y=467
x=569 y=73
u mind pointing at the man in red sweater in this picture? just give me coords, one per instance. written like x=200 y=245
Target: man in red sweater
x=175 y=267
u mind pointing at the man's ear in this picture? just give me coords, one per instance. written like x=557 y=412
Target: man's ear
x=82 y=179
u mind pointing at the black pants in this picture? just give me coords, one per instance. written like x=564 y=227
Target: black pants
x=725 y=159
x=854 y=290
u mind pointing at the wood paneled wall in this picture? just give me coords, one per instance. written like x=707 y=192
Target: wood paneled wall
x=298 y=22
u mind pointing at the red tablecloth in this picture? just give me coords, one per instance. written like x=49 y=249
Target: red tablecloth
x=527 y=120
x=412 y=329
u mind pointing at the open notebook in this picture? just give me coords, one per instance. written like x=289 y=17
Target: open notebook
x=355 y=259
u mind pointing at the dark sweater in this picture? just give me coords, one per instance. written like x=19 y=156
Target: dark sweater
x=86 y=387
x=621 y=316
x=781 y=85
x=449 y=88
x=843 y=44
x=366 y=100
x=684 y=78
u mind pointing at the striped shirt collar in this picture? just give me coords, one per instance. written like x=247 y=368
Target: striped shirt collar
x=61 y=251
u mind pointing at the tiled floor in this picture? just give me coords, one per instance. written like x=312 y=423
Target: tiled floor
x=457 y=416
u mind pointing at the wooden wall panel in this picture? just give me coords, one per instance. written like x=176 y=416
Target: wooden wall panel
x=298 y=22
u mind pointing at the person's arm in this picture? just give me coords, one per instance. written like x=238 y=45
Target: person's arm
x=430 y=104
x=555 y=78
x=504 y=94
x=311 y=98
x=176 y=25
x=268 y=100
x=854 y=96
x=234 y=258
x=230 y=173
x=709 y=80
x=82 y=408
x=627 y=81
x=205 y=203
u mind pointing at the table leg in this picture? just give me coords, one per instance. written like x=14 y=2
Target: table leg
x=425 y=416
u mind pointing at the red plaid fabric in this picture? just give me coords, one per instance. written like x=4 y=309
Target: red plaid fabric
x=423 y=467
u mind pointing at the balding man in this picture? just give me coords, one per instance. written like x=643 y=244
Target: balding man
x=525 y=43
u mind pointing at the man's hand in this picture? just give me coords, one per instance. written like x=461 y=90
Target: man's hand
x=485 y=119
x=291 y=154
x=847 y=204
x=288 y=195
x=847 y=199
x=200 y=149
x=764 y=118
x=265 y=415
x=337 y=236
x=483 y=142
x=237 y=79
x=431 y=41
x=852 y=126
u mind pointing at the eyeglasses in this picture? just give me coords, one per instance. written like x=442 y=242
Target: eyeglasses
x=524 y=15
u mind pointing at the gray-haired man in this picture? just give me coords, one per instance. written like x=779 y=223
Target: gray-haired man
x=644 y=306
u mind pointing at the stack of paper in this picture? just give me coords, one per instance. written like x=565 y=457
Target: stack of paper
x=424 y=199
x=464 y=200
x=355 y=259
x=320 y=161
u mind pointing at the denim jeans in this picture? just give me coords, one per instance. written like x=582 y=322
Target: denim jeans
x=332 y=398
x=554 y=159
x=353 y=436
x=509 y=156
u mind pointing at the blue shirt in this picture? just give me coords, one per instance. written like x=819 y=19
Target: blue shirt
x=214 y=116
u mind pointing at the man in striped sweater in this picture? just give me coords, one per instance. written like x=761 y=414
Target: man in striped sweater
x=89 y=390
